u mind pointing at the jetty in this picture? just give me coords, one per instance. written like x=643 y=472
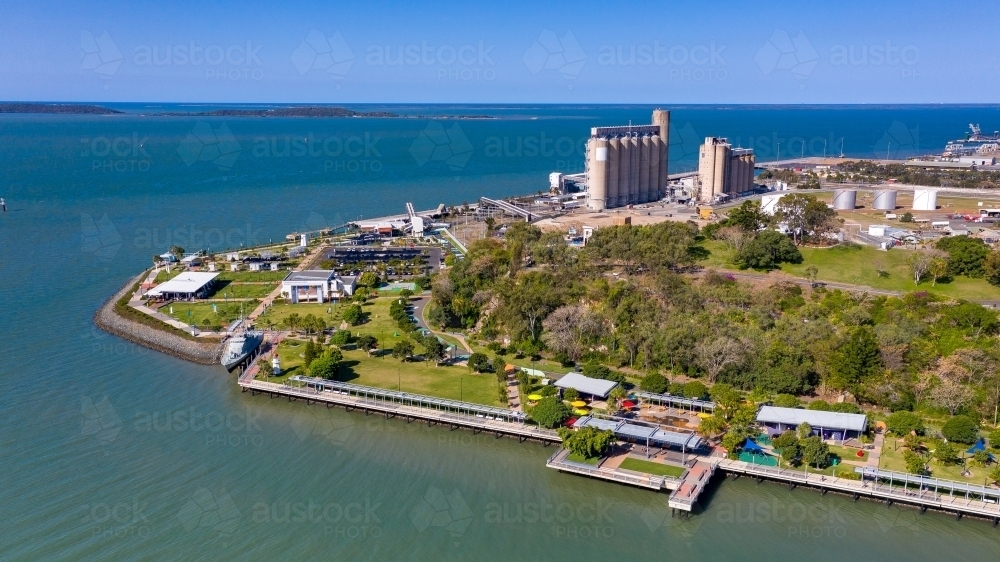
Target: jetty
x=395 y=404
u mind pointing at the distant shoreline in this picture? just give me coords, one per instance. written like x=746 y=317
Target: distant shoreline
x=310 y=111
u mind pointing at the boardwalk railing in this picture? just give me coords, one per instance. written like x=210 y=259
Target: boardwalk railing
x=388 y=407
x=559 y=462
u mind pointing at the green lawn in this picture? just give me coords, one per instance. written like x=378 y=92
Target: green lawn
x=164 y=275
x=892 y=459
x=857 y=265
x=654 y=468
x=848 y=453
x=252 y=276
x=574 y=457
x=232 y=290
x=202 y=315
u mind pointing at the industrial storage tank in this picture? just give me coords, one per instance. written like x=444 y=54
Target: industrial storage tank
x=614 y=163
x=634 y=149
x=924 y=200
x=721 y=167
x=643 y=195
x=655 y=153
x=597 y=175
x=885 y=200
x=845 y=199
x=624 y=172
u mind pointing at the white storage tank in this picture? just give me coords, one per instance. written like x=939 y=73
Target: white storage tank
x=925 y=200
x=885 y=200
x=845 y=199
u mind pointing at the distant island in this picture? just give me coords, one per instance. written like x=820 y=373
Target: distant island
x=301 y=111
x=60 y=108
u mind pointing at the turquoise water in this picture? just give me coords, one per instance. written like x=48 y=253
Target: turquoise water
x=110 y=451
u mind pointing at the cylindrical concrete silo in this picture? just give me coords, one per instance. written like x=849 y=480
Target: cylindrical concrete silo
x=748 y=178
x=644 y=146
x=614 y=163
x=661 y=117
x=706 y=170
x=845 y=199
x=655 y=152
x=635 y=152
x=597 y=174
x=885 y=200
x=924 y=200
x=624 y=173
x=721 y=163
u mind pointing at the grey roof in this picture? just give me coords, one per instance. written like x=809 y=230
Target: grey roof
x=641 y=432
x=815 y=418
x=310 y=275
x=673 y=400
x=188 y=282
x=587 y=385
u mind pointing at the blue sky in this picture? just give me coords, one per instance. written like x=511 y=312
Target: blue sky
x=500 y=52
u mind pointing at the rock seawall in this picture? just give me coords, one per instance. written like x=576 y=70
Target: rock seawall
x=107 y=319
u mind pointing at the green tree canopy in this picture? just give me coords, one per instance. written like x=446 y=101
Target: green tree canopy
x=550 y=412
x=857 y=360
x=353 y=314
x=588 y=442
x=903 y=422
x=654 y=382
x=966 y=255
x=767 y=250
x=324 y=367
x=961 y=429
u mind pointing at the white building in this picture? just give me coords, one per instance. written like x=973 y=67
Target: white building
x=316 y=285
x=186 y=286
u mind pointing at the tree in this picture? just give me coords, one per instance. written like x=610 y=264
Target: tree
x=966 y=255
x=906 y=217
x=341 y=338
x=353 y=314
x=367 y=342
x=904 y=422
x=811 y=272
x=309 y=353
x=368 y=279
x=805 y=216
x=727 y=399
x=588 y=442
x=616 y=395
x=786 y=401
x=570 y=394
x=977 y=318
x=815 y=452
x=995 y=439
x=748 y=217
x=434 y=350
x=938 y=269
x=712 y=425
x=402 y=350
x=803 y=431
x=264 y=368
x=325 y=367
x=654 y=382
x=176 y=251
x=946 y=453
x=405 y=294
x=961 y=429
x=696 y=390
x=857 y=360
x=912 y=442
x=292 y=321
x=991 y=267
x=767 y=250
x=787 y=445
x=479 y=362
x=915 y=463
x=550 y=412
x=995 y=475
x=920 y=262
x=714 y=355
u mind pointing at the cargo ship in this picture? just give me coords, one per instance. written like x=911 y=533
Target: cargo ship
x=974 y=143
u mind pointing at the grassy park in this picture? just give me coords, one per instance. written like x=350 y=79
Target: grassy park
x=654 y=468
x=252 y=276
x=859 y=265
x=204 y=316
x=231 y=290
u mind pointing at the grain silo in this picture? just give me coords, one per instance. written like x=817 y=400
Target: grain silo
x=885 y=200
x=635 y=151
x=721 y=167
x=655 y=163
x=644 y=146
x=614 y=170
x=924 y=200
x=845 y=199
x=597 y=174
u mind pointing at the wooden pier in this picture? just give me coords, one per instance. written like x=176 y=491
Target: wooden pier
x=392 y=404
x=559 y=462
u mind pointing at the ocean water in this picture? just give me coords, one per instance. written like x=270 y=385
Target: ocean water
x=111 y=451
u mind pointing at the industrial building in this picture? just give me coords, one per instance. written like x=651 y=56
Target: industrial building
x=628 y=164
x=723 y=171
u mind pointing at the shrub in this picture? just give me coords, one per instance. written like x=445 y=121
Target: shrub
x=696 y=390
x=353 y=314
x=995 y=439
x=903 y=422
x=570 y=394
x=786 y=401
x=961 y=429
x=341 y=337
x=324 y=367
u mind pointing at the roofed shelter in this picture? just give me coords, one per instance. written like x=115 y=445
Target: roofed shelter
x=185 y=286
x=598 y=388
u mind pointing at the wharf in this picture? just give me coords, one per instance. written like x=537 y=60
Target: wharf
x=395 y=404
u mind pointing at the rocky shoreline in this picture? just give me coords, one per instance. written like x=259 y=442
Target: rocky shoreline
x=107 y=319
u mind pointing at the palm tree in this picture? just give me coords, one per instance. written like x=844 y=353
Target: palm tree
x=616 y=396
